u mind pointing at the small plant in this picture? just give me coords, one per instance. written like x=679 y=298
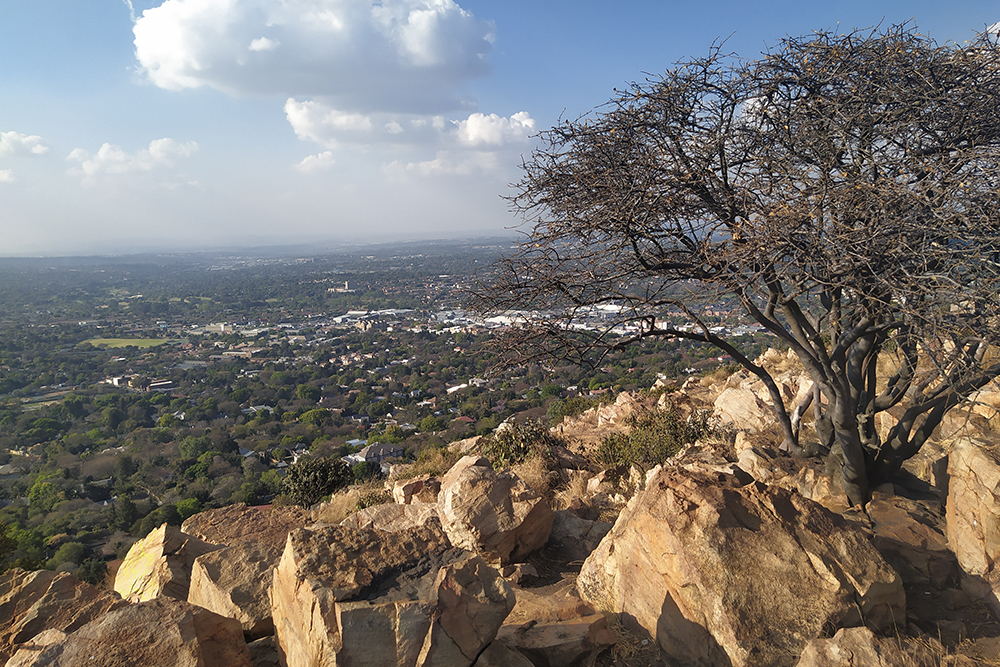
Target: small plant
x=514 y=443
x=653 y=436
x=372 y=498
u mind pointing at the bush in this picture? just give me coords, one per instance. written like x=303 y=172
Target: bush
x=653 y=436
x=307 y=481
x=514 y=443
x=571 y=407
x=372 y=498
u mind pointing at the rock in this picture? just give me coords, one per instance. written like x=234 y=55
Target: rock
x=859 y=647
x=498 y=654
x=392 y=517
x=625 y=405
x=367 y=597
x=720 y=573
x=519 y=573
x=553 y=626
x=233 y=582
x=160 y=564
x=239 y=523
x=423 y=489
x=559 y=643
x=744 y=409
x=909 y=536
x=161 y=632
x=573 y=538
x=494 y=514
x=264 y=652
x=32 y=602
x=973 y=518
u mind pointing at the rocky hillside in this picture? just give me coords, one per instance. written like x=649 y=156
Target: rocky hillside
x=728 y=553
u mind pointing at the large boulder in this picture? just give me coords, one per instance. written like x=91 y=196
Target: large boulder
x=160 y=564
x=494 y=514
x=422 y=489
x=240 y=523
x=234 y=582
x=973 y=516
x=32 y=602
x=719 y=573
x=345 y=596
x=161 y=632
x=744 y=408
x=573 y=538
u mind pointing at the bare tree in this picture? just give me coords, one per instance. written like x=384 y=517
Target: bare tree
x=843 y=190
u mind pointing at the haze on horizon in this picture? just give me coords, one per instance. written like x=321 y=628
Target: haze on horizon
x=134 y=126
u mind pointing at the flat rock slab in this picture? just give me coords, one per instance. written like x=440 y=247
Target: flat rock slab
x=239 y=523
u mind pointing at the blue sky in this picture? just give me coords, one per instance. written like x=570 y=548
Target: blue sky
x=205 y=124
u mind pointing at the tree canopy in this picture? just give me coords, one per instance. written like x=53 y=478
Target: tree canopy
x=842 y=190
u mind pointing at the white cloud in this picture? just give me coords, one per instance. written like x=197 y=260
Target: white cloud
x=15 y=143
x=396 y=55
x=493 y=130
x=316 y=162
x=6 y=175
x=445 y=163
x=322 y=124
x=264 y=44
x=111 y=159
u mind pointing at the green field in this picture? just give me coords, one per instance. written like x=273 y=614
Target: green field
x=125 y=342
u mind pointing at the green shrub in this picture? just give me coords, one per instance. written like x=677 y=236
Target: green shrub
x=571 y=407
x=372 y=498
x=516 y=443
x=307 y=481
x=653 y=436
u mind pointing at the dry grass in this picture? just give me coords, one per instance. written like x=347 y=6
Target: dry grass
x=536 y=473
x=631 y=648
x=340 y=506
x=434 y=461
x=576 y=488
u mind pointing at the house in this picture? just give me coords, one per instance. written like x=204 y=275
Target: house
x=375 y=454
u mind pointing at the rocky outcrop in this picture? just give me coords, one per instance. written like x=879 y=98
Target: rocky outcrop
x=392 y=517
x=368 y=597
x=573 y=538
x=162 y=632
x=423 y=489
x=160 y=564
x=32 y=602
x=743 y=406
x=859 y=647
x=910 y=536
x=973 y=515
x=234 y=582
x=494 y=514
x=239 y=523
x=722 y=574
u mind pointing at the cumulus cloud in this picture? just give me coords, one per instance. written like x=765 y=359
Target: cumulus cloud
x=15 y=143
x=313 y=120
x=316 y=162
x=396 y=55
x=445 y=163
x=111 y=159
x=6 y=176
x=493 y=130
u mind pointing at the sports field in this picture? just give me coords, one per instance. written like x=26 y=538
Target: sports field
x=125 y=342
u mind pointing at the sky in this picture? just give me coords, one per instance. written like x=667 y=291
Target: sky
x=183 y=125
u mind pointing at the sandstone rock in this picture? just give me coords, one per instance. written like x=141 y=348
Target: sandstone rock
x=573 y=538
x=973 y=516
x=498 y=654
x=264 y=652
x=625 y=404
x=559 y=643
x=234 y=581
x=741 y=575
x=494 y=514
x=423 y=489
x=160 y=564
x=161 y=632
x=392 y=517
x=239 y=523
x=744 y=409
x=31 y=602
x=910 y=538
x=859 y=647
x=367 y=597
